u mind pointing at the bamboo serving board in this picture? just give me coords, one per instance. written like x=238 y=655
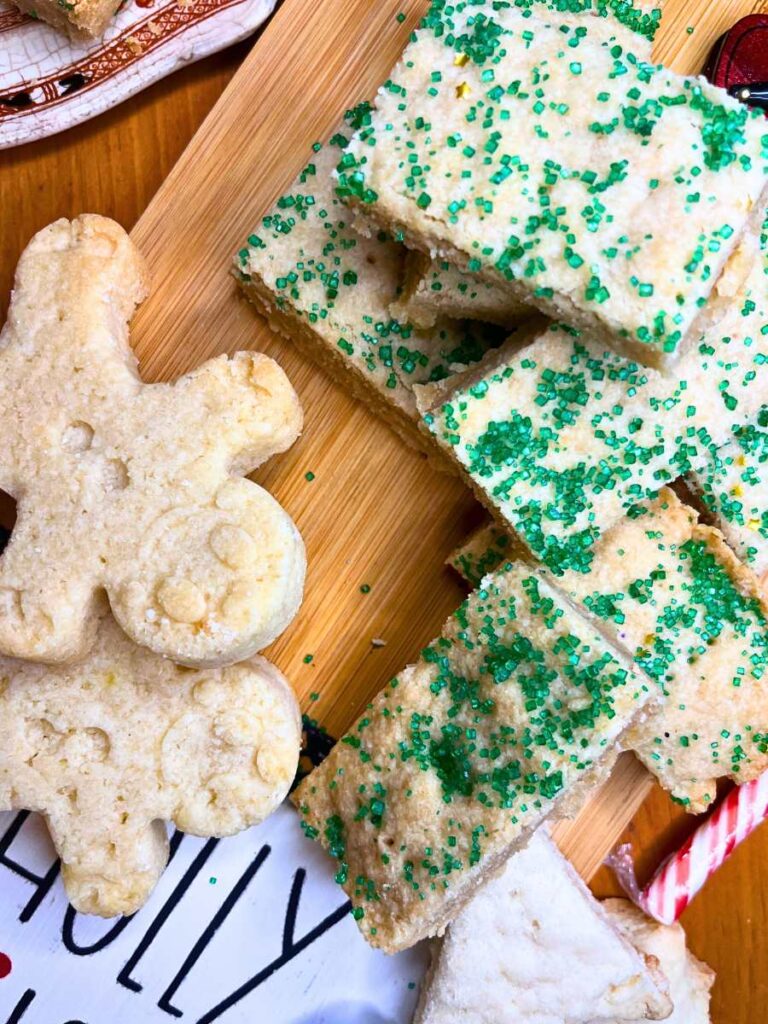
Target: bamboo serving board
x=376 y=513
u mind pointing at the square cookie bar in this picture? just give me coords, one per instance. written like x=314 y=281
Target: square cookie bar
x=696 y=622
x=543 y=150
x=329 y=289
x=434 y=288
x=510 y=714
x=534 y=946
x=80 y=19
x=560 y=437
x=733 y=485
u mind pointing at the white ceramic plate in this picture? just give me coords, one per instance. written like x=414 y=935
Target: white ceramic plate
x=48 y=83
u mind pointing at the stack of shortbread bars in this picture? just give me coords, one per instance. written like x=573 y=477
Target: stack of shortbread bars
x=542 y=258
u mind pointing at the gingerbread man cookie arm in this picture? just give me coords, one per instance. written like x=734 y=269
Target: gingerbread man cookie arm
x=112 y=747
x=251 y=411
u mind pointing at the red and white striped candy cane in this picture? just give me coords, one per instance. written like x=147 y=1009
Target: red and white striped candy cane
x=683 y=874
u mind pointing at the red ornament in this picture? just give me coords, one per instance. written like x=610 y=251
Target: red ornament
x=5 y=965
x=741 y=55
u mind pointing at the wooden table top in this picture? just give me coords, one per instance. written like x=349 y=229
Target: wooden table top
x=113 y=165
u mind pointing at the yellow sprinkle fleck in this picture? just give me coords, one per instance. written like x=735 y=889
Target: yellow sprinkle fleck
x=649 y=639
x=753 y=524
x=741 y=460
x=462 y=90
x=737 y=490
x=461 y=59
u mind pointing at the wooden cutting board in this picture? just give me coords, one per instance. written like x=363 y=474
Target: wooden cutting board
x=375 y=515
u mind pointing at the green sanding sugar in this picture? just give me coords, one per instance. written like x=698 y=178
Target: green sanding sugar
x=307 y=262
x=476 y=148
x=563 y=437
x=733 y=485
x=517 y=700
x=673 y=594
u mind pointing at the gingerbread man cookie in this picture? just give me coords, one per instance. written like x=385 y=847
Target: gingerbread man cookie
x=112 y=747
x=134 y=488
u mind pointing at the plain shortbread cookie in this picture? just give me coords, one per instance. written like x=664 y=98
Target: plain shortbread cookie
x=111 y=748
x=134 y=488
x=535 y=947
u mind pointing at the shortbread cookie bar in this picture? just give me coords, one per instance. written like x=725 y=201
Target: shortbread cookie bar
x=329 y=289
x=538 y=149
x=733 y=485
x=484 y=551
x=690 y=980
x=80 y=19
x=517 y=707
x=534 y=946
x=697 y=623
x=560 y=437
x=112 y=747
x=433 y=288
x=695 y=618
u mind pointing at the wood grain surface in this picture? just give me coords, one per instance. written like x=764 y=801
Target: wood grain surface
x=375 y=513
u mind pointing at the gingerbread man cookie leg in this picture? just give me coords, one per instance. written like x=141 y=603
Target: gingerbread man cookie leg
x=112 y=747
x=134 y=488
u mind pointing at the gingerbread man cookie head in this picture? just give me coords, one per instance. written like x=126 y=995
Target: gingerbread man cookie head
x=132 y=488
x=112 y=747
